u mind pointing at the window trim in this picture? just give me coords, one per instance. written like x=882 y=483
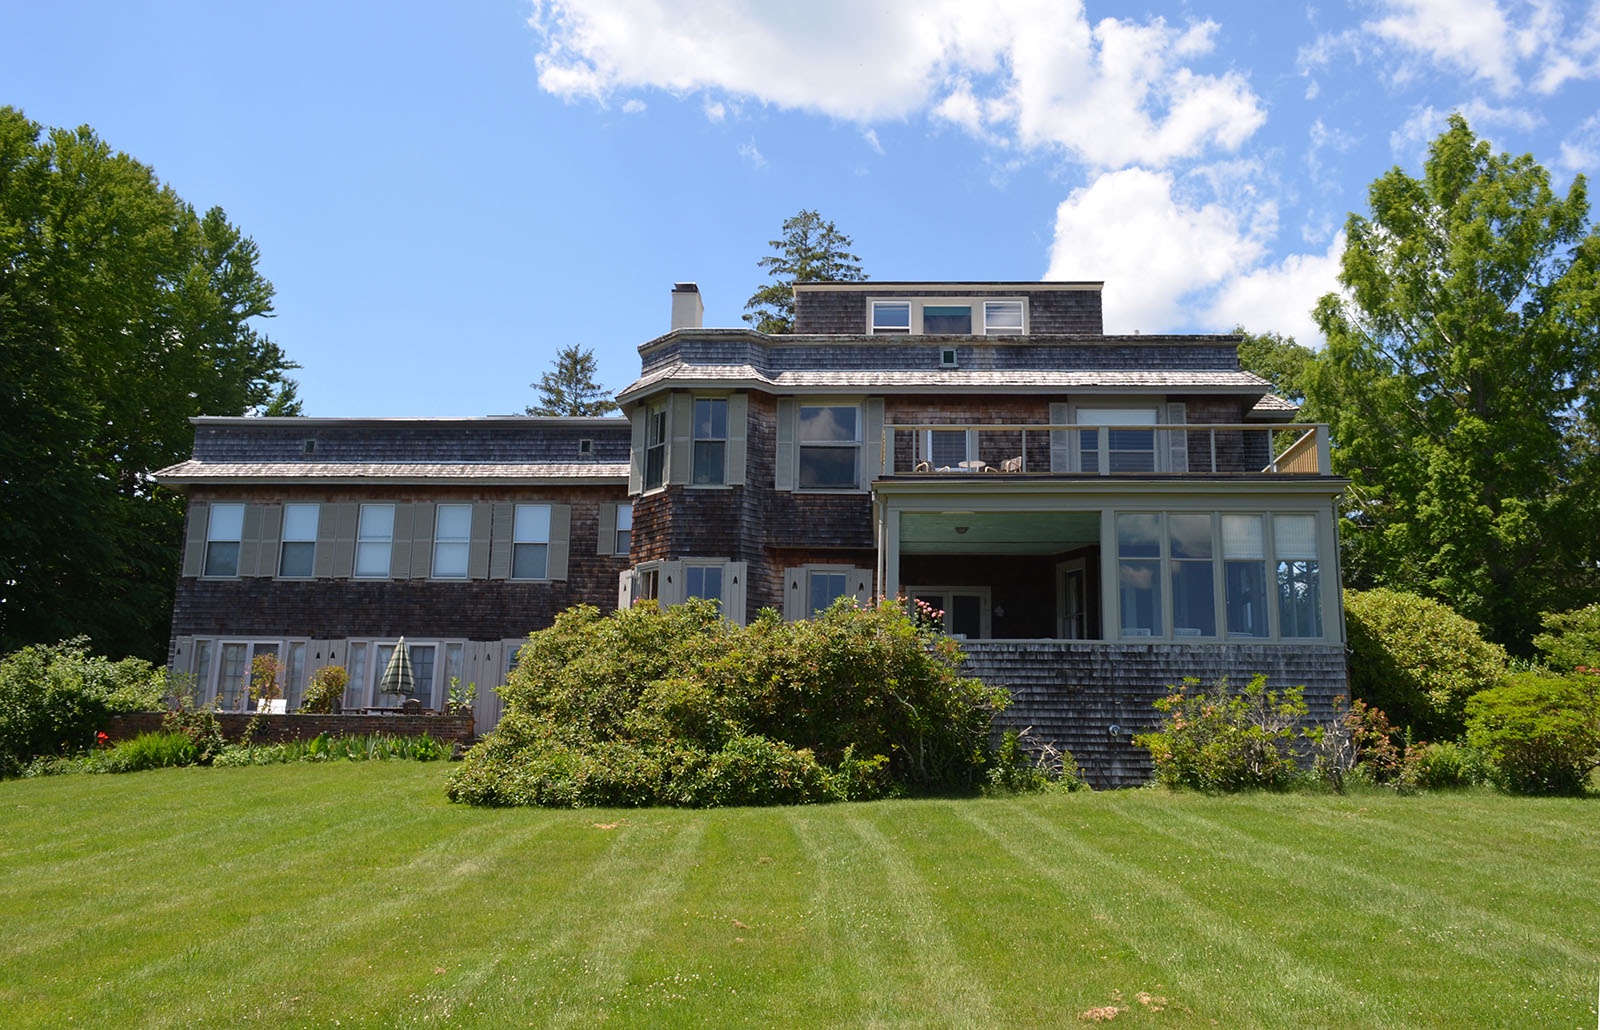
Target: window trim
x=856 y=446
x=284 y=540
x=236 y=540
x=549 y=518
x=462 y=543
x=695 y=440
x=978 y=304
x=361 y=540
x=655 y=424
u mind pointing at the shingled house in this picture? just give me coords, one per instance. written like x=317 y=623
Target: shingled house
x=1097 y=516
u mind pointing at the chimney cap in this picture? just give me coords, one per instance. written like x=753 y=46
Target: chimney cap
x=685 y=287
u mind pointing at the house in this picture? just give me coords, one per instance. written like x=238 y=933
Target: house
x=1096 y=516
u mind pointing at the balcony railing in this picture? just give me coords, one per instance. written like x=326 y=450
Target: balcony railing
x=1191 y=449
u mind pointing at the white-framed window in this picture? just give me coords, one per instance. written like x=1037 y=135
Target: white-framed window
x=356 y=691
x=649 y=585
x=1129 y=448
x=1139 y=574
x=1002 y=318
x=224 y=531
x=655 y=447
x=959 y=316
x=624 y=530
x=298 y=551
x=830 y=447
x=709 y=461
x=825 y=587
x=452 y=538
x=947 y=450
x=703 y=581
x=530 y=542
x=965 y=608
x=1191 y=575
x=374 y=541
x=891 y=316
x=947 y=318
x=809 y=589
x=1294 y=546
x=1244 y=575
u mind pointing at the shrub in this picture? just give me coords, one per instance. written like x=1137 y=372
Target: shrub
x=53 y=697
x=681 y=707
x=1023 y=764
x=1417 y=660
x=324 y=689
x=199 y=725
x=1215 y=739
x=1541 y=732
x=146 y=751
x=1571 y=639
x=1444 y=765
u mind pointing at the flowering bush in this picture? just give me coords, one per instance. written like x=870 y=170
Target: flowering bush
x=53 y=697
x=324 y=689
x=1218 y=739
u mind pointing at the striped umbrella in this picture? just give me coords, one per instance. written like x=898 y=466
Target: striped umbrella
x=397 y=676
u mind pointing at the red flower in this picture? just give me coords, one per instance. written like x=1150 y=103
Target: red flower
x=101 y=739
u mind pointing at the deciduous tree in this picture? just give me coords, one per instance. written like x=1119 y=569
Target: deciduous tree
x=122 y=314
x=569 y=387
x=811 y=249
x=1460 y=380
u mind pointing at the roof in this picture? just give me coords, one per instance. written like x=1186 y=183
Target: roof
x=956 y=286
x=951 y=380
x=1272 y=408
x=592 y=473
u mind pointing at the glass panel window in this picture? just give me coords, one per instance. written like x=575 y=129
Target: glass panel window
x=374 y=535
x=655 y=447
x=233 y=676
x=224 y=530
x=299 y=550
x=1139 y=574
x=355 y=692
x=710 y=440
x=703 y=581
x=1002 y=317
x=947 y=448
x=1244 y=575
x=530 y=542
x=1294 y=544
x=891 y=316
x=294 y=676
x=946 y=318
x=201 y=687
x=1117 y=450
x=1193 y=597
x=649 y=585
x=422 y=659
x=452 y=535
x=830 y=447
x=824 y=588
x=453 y=663
x=624 y=528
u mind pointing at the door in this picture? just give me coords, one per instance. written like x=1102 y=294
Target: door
x=1072 y=600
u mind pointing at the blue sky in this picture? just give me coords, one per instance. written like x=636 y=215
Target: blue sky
x=446 y=194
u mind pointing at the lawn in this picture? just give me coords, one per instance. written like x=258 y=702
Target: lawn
x=355 y=895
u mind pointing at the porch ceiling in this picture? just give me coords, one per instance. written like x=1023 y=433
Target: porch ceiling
x=997 y=532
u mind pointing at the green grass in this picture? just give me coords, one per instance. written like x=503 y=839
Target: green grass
x=352 y=894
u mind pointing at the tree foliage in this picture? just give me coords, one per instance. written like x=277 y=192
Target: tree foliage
x=122 y=314
x=569 y=387
x=1460 y=383
x=1277 y=359
x=53 y=697
x=811 y=249
x=1541 y=732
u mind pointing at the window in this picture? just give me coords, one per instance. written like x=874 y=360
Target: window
x=294 y=676
x=530 y=542
x=299 y=548
x=891 y=316
x=374 y=535
x=710 y=440
x=1193 y=598
x=824 y=588
x=355 y=694
x=1294 y=545
x=703 y=581
x=947 y=318
x=1116 y=450
x=1002 y=317
x=452 y=535
x=233 y=676
x=965 y=610
x=624 y=528
x=655 y=447
x=422 y=662
x=1244 y=575
x=1139 y=574
x=649 y=585
x=830 y=447
x=224 y=530
x=946 y=449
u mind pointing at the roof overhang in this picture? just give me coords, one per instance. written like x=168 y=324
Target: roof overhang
x=197 y=473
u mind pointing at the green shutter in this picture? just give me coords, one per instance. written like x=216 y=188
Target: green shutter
x=336 y=540
x=1177 y=443
x=680 y=430
x=738 y=432
x=636 y=455
x=250 y=540
x=500 y=541
x=606 y=536
x=560 y=539
x=872 y=441
x=1060 y=439
x=478 y=551
x=271 y=530
x=194 y=545
x=400 y=543
x=422 y=541
x=784 y=464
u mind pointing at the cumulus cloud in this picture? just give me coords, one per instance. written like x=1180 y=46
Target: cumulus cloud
x=1280 y=298
x=1035 y=73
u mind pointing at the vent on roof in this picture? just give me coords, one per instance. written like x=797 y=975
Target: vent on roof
x=585 y=448
x=308 y=447
x=947 y=357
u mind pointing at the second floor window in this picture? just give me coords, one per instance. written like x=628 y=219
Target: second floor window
x=299 y=547
x=374 y=537
x=830 y=447
x=224 y=530
x=710 y=440
x=624 y=528
x=452 y=536
x=530 y=542
x=655 y=447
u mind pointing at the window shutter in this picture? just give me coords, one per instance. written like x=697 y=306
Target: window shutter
x=271 y=531
x=1060 y=439
x=606 y=536
x=478 y=550
x=680 y=430
x=250 y=540
x=738 y=433
x=794 y=594
x=400 y=543
x=1177 y=442
x=872 y=441
x=500 y=541
x=194 y=546
x=738 y=576
x=560 y=539
x=182 y=654
x=336 y=540
x=636 y=455
x=784 y=465
x=670 y=586
x=422 y=541
x=627 y=581
x=861 y=585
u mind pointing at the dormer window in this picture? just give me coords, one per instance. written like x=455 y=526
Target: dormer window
x=955 y=316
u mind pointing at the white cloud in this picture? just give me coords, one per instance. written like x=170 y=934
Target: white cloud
x=1034 y=72
x=751 y=153
x=1410 y=141
x=715 y=112
x=871 y=136
x=1472 y=36
x=1281 y=297
x=1580 y=151
x=1160 y=255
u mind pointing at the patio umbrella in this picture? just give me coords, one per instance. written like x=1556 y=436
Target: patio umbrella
x=397 y=676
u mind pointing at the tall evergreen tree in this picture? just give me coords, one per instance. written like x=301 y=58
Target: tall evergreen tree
x=1460 y=381
x=811 y=249
x=569 y=387
x=122 y=314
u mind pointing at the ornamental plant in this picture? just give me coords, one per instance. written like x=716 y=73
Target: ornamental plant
x=54 y=697
x=1541 y=732
x=1218 y=739
x=324 y=689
